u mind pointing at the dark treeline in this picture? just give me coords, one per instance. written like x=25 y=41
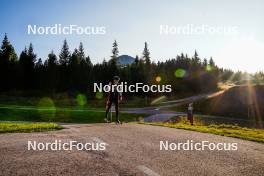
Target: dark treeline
x=74 y=72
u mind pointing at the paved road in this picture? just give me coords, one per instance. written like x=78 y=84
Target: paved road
x=131 y=149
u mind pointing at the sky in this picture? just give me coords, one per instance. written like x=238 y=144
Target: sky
x=229 y=31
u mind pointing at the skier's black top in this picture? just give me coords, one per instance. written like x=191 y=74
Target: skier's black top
x=114 y=95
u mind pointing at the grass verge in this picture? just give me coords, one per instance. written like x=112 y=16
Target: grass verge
x=64 y=115
x=12 y=127
x=250 y=134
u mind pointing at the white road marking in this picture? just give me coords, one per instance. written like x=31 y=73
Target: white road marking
x=147 y=171
x=96 y=139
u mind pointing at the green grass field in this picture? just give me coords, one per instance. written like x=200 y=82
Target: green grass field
x=12 y=127
x=251 y=134
x=66 y=115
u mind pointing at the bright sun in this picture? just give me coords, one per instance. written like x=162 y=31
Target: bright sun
x=242 y=54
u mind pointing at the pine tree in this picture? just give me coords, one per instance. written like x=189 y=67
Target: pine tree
x=75 y=58
x=23 y=56
x=74 y=70
x=195 y=54
x=27 y=58
x=39 y=63
x=27 y=63
x=88 y=61
x=81 y=53
x=211 y=62
x=146 y=54
x=7 y=52
x=8 y=65
x=115 y=53
x=113 y=69
x=136 y=60
x=31 y=55
x=52 y=72
x=205 y=62
x=52 y=59
x=115 y=50
x=196 y=59
x=64 y=54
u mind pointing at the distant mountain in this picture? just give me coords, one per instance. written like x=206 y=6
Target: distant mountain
x=125 y=59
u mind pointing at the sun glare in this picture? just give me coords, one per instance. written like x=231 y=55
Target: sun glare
x=242 y=54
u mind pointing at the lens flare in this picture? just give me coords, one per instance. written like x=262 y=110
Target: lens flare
x=81 y=99
x=180 y=73
x=158 y=100
x=158 y=79
x=99 y=95
x=209 y=68
x=46 y=108
x=253 y=105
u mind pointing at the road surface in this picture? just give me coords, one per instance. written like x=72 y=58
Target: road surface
x=132 y=149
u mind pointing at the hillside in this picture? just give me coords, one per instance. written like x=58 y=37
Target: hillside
x=243 y=102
